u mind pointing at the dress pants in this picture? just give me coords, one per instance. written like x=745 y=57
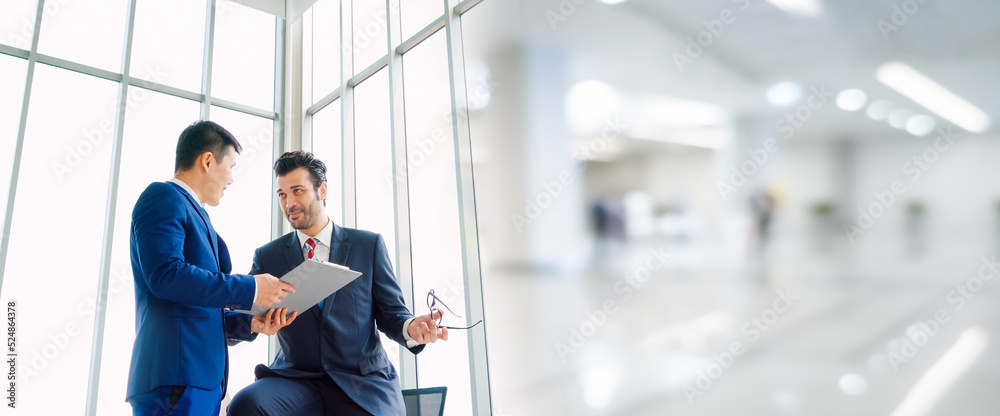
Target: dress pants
x=279 y=396
x=177 y=401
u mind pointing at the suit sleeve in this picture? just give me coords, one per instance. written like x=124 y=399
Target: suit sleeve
x=160 y=233
x=387 y=298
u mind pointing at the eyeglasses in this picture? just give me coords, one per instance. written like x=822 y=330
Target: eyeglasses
x=433 y=301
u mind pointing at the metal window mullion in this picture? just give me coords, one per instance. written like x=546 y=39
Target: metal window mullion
x=421 y=36
x=348 y=153
x=12 y=51
x=278 y=141
x=78 y=67
x=323 y=102
x=29 y=78
x=368 y=72
x=209 y=53
x=465 y=6
x=254 y=111
x=400 y=187
x=101 y=312
x=472 y=271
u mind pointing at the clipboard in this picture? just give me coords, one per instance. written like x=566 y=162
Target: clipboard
x=313 y=281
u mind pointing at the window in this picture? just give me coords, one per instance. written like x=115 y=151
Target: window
x=434 y=220
x=90 y=33
x=70 y=167
x=370 y=33
x=67 y=162
x=17 y=23
x=244 y=55
x=326 y=145
x=12 y=73
x=168 y=42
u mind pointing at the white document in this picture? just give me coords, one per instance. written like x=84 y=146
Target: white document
x=313 y=281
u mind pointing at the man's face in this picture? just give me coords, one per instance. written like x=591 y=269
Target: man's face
x=299 y=200
x=220 y=174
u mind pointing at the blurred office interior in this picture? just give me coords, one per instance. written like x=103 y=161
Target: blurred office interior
x=744 y=139
x=722 y=207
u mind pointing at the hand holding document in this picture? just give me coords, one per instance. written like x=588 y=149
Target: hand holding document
x=313 y=281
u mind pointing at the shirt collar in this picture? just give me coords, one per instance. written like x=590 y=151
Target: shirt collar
x=187 y=188
x=325 y=235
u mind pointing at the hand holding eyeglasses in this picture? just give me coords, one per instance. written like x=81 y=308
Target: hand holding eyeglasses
x=427 y=328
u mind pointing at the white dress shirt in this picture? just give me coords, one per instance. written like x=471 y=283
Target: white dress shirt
x=322 y=253
x=194 y=195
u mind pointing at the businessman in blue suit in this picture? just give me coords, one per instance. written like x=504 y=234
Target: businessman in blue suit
x=331 y=360
x=182 y=284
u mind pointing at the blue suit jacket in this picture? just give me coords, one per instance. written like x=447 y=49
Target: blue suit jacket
x=341 y=341
x=182 y=283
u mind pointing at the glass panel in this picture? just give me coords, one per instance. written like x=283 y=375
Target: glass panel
x=434 y=222
x=90 y=33
x=152 y=124
x=326 y=145
x=168 y=42
x=325 y=48
x=416 y=14
x=60 y=204
x=17 y=23
x=243 y=219
x=374 y=164
x=243 y=55
x=12 y=77
x=370 y=34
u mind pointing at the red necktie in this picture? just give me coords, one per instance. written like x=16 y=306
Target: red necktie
x=311 y=243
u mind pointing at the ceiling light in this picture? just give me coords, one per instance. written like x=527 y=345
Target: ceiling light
x=899 y=117
x=879 y=110
x=590 y=103
x=798 y=7
x=784 y=93
x=853 y=384
x=613 y=1
x=933 y=96
x=920 y=125
x=852 y=99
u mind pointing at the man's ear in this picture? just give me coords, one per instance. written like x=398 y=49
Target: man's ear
x=206 y=160
x=322 y=191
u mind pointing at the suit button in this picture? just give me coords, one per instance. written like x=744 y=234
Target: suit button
x=326 y=366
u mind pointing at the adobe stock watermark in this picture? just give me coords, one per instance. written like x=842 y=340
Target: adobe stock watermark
x=625 y=288
x=786 y=126
x=423 y=147
x=713 y=30
x=919 y=335
x=551 y=190
x=48 y=354
x=372 y=30
x=562 y=12
x=92 y=139
x=900 y=15
x=753 y=329
x=22 y=38
x=914 y=168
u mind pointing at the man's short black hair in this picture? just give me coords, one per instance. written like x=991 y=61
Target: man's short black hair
x=200 y=137
x=290 y=161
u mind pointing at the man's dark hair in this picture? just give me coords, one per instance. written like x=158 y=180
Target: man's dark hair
x=290 y=161
x=200 y=137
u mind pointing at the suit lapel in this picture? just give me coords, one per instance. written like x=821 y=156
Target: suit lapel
x=293 y=252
